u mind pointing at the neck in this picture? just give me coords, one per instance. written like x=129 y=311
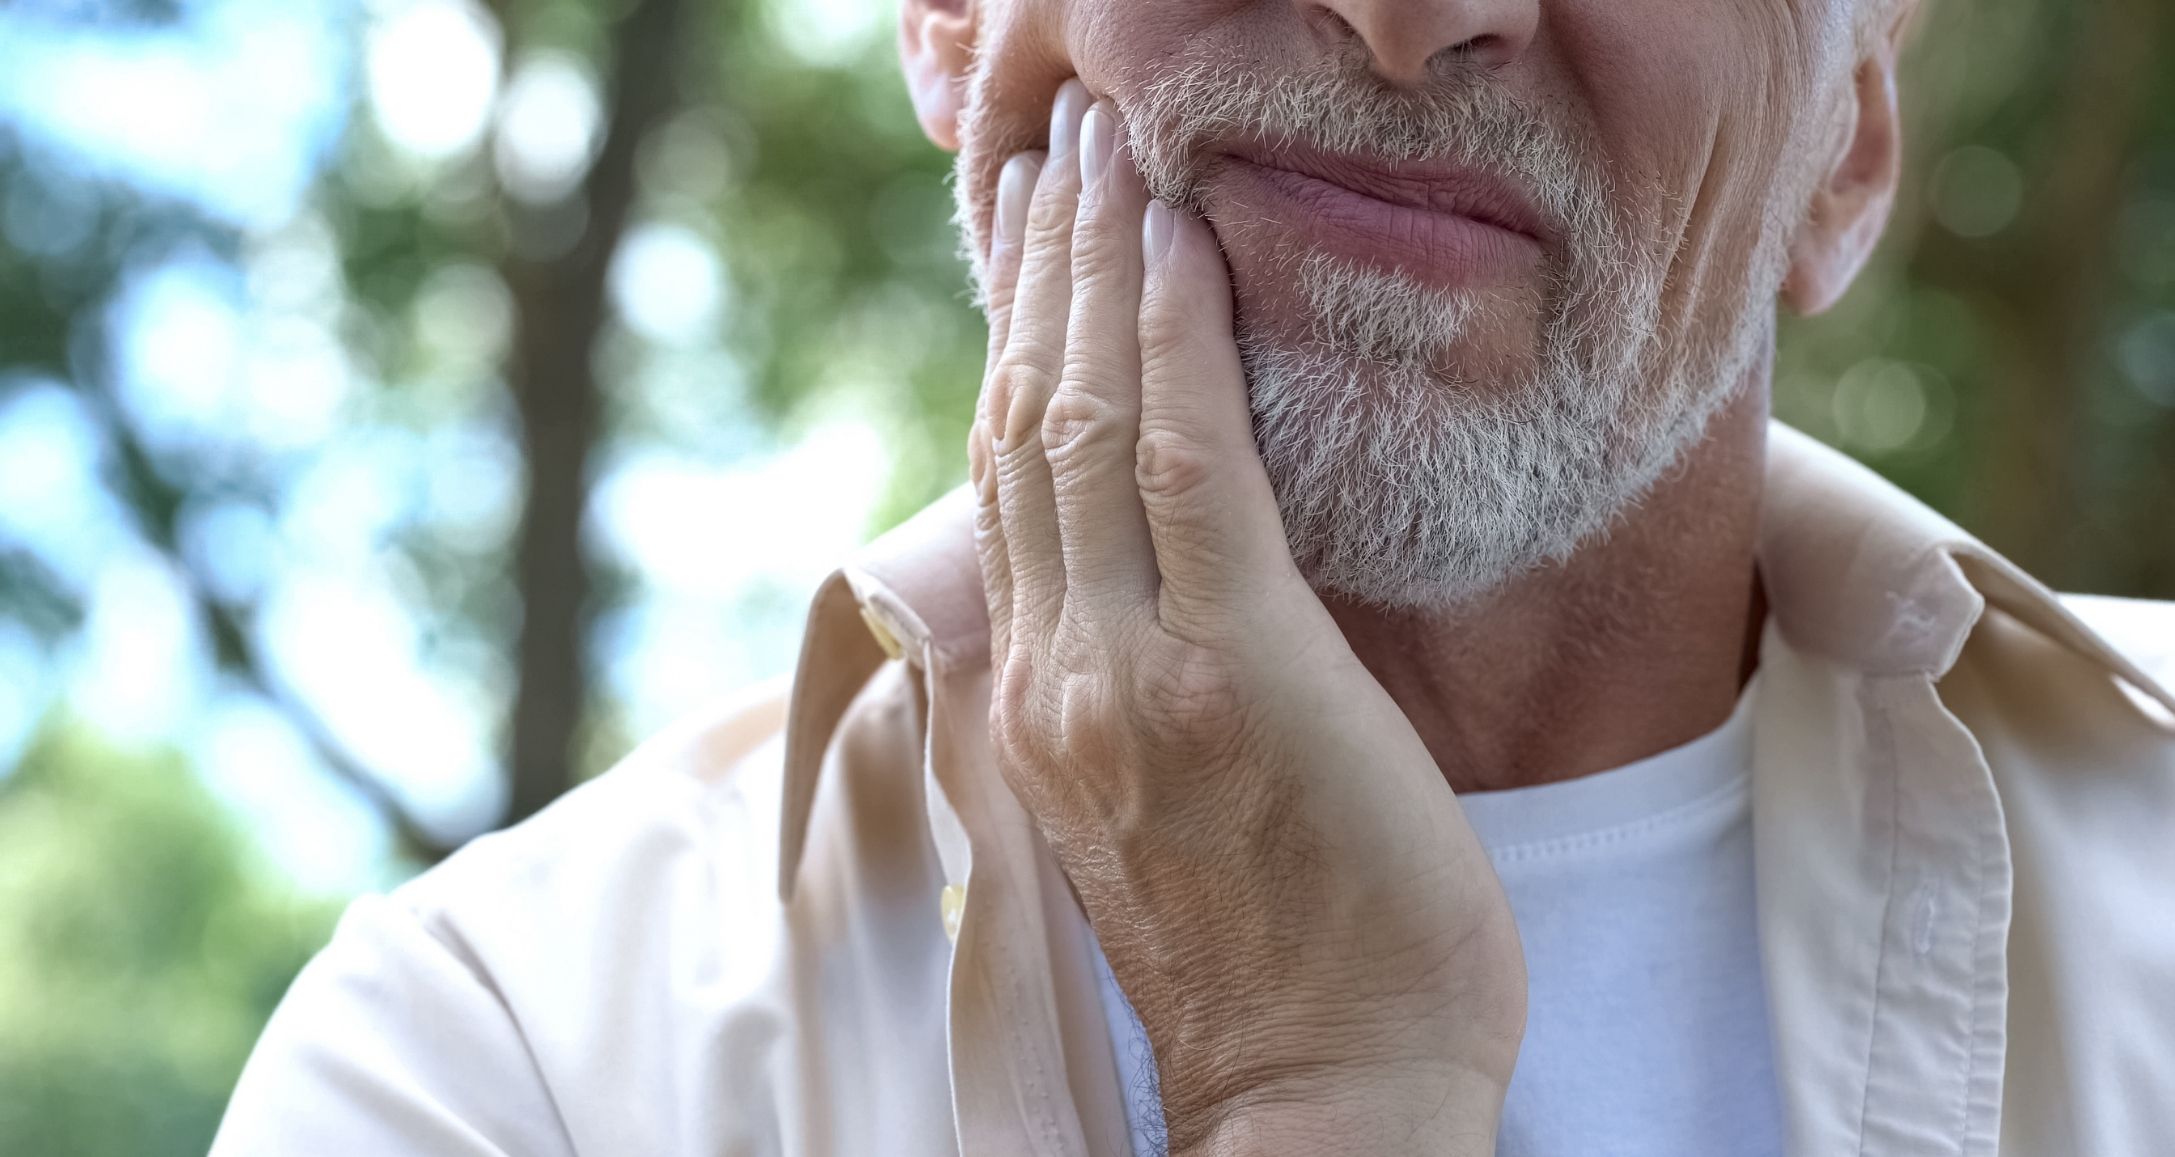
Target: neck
x=1639 y=642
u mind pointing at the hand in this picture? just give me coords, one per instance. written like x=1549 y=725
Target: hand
x=1287 y=890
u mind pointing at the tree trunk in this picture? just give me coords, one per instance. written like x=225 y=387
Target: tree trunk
x=559 y=309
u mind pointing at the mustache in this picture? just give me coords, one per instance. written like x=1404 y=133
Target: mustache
x=1191 y=105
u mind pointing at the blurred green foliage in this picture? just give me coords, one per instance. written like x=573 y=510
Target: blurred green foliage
x=2009 y=356
x=142 y=945
x=839 y=232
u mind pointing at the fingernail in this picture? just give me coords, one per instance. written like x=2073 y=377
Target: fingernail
x=1156 y=228
x=1098 y=140
x=1014 y=186
x=1065 y=112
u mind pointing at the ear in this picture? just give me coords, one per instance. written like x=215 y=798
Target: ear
x=936 y=48
x=1850 y=206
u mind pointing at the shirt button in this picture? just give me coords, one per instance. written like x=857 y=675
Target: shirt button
x=882 y=634
x=951 y=905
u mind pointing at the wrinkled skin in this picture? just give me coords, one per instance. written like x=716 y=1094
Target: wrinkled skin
x=1254 y=815
x=1182 y=716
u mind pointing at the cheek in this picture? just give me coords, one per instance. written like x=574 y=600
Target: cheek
x=1120 y=46
x=1019 y=64
x=1692 y=101
x=1030 y=47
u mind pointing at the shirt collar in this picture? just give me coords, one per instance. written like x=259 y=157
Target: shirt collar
x=1856 y=571
x=915 y=593
x=1861 y=573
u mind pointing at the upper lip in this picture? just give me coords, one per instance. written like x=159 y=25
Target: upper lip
x=1434 y=186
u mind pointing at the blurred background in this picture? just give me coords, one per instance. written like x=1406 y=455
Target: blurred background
x=406 y=405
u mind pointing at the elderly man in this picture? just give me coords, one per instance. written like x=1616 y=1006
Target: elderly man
x=1386 y=688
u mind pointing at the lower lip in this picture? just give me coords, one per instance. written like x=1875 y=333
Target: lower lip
x=1445 y=249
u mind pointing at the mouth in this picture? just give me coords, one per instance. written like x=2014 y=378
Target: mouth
x=1448 y=226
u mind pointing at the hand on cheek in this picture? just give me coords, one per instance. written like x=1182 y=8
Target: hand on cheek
x=1113 y=450
x=1167 y=693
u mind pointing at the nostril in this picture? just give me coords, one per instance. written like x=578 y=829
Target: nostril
x=1483 y=50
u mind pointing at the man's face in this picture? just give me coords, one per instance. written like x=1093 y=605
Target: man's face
x=1496 y=262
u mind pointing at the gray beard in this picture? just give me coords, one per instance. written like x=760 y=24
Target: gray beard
x=1403 y=487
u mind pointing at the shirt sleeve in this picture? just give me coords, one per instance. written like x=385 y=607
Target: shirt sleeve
x=390 y=1044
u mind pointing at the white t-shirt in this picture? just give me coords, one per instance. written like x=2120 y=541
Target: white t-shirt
x=1646 y=1029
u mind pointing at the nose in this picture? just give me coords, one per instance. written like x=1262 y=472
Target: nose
x=1406 y=36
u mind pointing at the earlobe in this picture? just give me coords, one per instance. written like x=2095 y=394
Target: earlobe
x=936 y=50
x=1849 y=209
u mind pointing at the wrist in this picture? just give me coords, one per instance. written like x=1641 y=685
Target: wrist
x=1451 y=1113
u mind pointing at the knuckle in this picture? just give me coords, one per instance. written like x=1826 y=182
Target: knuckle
x=1096 y=253
x=1187 y=687
x=1051 y=211
x=1192 y=711
x=989 y=540
x=1079 y=421
x=1016 y=391
x=1084 y=712
x=1012 y=711
x=998 y=382
x=1170 y=466
x=1168 y=325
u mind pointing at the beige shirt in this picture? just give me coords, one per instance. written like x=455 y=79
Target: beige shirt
x=819 y=924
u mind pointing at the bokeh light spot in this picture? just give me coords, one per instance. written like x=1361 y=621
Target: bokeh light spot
x=668 y=283
x=1880 y=406
x=549 y=126
x=1977 y=191
x=432 y=68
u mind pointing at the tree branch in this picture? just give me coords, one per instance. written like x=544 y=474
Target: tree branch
x=157 y=504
